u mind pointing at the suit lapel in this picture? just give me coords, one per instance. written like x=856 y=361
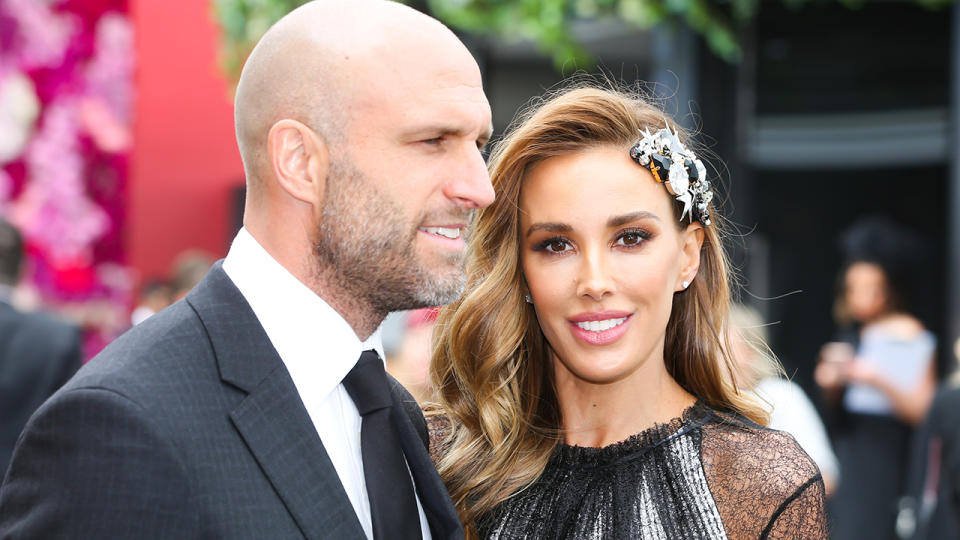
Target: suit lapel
x=278 y=431
x=442 y=516
x=272 y=420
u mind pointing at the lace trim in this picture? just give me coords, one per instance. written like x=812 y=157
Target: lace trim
x=634 y=447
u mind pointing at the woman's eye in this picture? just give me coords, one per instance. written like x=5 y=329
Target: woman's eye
x=556 y=246
x=631 y=239
x=553 y=245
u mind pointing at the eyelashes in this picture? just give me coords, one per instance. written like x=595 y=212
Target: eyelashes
x=626 y=239
x=556 y=244
x=633 y=237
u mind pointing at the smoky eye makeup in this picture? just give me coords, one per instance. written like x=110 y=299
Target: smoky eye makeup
x=632 y=237
x=554 y=244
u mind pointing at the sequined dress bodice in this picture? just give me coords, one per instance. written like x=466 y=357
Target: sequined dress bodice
x=705 y=475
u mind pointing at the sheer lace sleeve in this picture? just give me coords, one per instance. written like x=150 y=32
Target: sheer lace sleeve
x=801 y=516
x=438 y=426
x=764 y=484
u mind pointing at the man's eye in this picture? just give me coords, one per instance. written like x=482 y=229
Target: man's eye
x=433 y=142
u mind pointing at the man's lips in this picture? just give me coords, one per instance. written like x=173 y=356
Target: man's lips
x=452 y=232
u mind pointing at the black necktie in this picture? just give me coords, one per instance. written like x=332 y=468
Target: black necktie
x=393 y=506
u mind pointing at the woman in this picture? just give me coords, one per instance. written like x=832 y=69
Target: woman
x=878 y=378
x=582 y=388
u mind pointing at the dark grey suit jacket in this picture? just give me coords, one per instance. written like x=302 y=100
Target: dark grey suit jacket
x=37 y=355
x=189 y=426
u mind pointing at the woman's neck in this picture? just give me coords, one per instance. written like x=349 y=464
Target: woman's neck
x=598 y=415
x=880 y=316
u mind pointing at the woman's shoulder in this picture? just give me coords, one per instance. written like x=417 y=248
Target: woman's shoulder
x=772 y=460
x=764 y=484
x=899 y=325
x=440 y=430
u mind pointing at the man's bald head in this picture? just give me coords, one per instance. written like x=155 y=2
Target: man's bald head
x=360 y=123
x=321 y=60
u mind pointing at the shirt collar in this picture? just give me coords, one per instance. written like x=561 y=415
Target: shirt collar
x=316 y=344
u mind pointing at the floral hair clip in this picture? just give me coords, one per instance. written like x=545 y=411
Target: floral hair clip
x=676 y=167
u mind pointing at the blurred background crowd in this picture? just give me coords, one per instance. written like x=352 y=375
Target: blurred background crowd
x=831 y=127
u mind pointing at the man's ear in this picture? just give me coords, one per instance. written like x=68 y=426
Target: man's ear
x=300 y=159
x=691 y=241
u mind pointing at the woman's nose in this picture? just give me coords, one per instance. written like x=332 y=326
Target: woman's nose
x=594 y=279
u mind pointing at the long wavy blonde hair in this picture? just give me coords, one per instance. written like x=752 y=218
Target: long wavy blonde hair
x=490 y=368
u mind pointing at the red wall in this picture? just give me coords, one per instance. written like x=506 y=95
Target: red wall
x=185 y=160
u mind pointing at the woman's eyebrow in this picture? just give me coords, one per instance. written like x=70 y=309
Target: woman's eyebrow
x=617 y=221
x=550 y=227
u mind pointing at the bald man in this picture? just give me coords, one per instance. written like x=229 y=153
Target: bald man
x=257 y=407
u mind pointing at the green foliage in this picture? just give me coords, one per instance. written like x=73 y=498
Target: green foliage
x=242 y=23
x=545 y=22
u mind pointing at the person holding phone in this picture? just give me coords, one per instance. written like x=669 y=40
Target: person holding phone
x=878 y=379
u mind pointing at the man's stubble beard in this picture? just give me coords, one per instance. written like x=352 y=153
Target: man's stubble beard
x=370 y=252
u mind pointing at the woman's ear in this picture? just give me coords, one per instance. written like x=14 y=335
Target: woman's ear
x=691 y=241
x=300 y=160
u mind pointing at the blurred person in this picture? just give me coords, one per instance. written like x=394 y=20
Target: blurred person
x=878 y=379
x=583 y=390
x=931 y=509
x=38 y=354
x=944 y=421
x=155 y=295
x=410 y=363
x=259 y=407
x=392 y=330
x=189 y=268
x=790 y=408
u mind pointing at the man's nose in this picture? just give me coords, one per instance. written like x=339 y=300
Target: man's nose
x=470 y=185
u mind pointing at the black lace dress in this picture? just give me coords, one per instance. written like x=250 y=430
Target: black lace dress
x=706 y=475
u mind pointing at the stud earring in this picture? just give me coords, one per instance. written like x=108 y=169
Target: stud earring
x=685 y=284
x=528 y=298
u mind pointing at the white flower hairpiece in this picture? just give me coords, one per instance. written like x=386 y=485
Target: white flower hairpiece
x=676 y=167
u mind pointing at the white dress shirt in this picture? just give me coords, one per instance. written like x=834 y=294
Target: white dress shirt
x=319 y=348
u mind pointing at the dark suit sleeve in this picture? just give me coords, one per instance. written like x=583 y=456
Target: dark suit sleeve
x=92 y=464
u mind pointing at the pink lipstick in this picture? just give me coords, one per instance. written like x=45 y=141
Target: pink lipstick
x=601 y=327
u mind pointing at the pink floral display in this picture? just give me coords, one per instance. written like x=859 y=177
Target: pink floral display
x=66 y=101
